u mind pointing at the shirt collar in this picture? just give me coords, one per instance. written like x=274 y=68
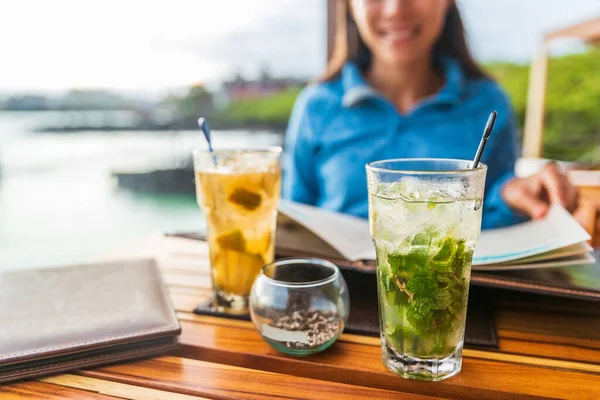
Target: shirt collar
x=455 y=82
x=356 y=89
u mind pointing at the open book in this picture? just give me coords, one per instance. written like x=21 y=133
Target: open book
x=556 y=240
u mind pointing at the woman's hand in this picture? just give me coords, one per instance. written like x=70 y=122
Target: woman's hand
x=534 y=194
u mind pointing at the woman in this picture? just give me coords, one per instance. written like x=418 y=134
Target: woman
x=402 y=83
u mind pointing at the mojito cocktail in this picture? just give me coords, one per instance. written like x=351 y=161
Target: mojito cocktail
x=425 y=219
x=238 y=192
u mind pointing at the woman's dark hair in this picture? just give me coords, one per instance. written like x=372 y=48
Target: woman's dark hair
x=349 y=46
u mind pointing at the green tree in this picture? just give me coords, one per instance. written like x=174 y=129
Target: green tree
x=198 y=101
x=572 y=120
x=274 y=108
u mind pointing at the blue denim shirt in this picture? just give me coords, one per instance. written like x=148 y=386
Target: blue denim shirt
x=337 y=127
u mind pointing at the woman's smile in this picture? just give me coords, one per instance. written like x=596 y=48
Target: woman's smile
x=399 y=34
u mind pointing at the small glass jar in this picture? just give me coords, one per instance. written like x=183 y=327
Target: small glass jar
x=300 y=306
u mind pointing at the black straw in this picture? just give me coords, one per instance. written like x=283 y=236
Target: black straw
x=203 y=124
x=487 y=131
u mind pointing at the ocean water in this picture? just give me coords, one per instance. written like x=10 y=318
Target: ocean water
x=59 y=204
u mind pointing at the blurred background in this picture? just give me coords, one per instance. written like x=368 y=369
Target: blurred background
x=99 y=102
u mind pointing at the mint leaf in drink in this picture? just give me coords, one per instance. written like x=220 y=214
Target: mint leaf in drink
x=396 y=262
x=443 y=299
x=418 y=256
x=461 y=259
x=421 y=239
x=421 y=308
x=397 y=296
x=390 y=285
x=397 y=337
x=423 y=289
x=458 y=294
x=404 y=265
x=421 y=323
x=446 y=252
x=386 y=280
x=423 y=284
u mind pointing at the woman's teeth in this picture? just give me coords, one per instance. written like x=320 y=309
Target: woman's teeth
x=398 y=34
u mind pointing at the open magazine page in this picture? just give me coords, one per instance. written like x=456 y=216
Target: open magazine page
x=578 y=249
x=557 y=230
x=347 y=234
x=579 y=259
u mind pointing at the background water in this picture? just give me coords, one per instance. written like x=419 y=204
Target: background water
x=59 y=203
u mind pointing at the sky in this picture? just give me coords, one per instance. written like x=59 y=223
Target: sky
x=156 y=44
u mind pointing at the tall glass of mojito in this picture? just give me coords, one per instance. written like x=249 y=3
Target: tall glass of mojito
x=425 y=220
x=238 y=191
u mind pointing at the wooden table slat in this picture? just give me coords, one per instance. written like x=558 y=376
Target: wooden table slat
x=550 y=339
x=552 y=351
x=194 y=377
x=47 y=391
x=117 y=389
x=565 y=325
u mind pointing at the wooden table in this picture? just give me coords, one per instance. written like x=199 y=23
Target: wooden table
x=548 y=349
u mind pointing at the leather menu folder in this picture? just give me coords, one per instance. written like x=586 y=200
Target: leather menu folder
x=58 y=319
x=580 y=282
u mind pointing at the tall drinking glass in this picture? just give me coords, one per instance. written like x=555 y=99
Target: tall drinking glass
x=238 y=191
x=425 y=220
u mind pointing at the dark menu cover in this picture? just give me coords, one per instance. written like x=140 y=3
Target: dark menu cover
x=578 y=281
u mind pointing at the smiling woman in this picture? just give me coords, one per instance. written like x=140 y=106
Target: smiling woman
x=401 y=83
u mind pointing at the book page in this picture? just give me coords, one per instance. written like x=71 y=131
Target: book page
x=558 y=234
x=581 y=259
x=573 y=250
x=294 y=239
x=347 y=234
x=555 y=231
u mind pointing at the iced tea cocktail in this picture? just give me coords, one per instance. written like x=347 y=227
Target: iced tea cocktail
x=425 y=219
x=238 y=191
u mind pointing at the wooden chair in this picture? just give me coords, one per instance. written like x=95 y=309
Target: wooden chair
x=588 y=32
x=588 y=213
